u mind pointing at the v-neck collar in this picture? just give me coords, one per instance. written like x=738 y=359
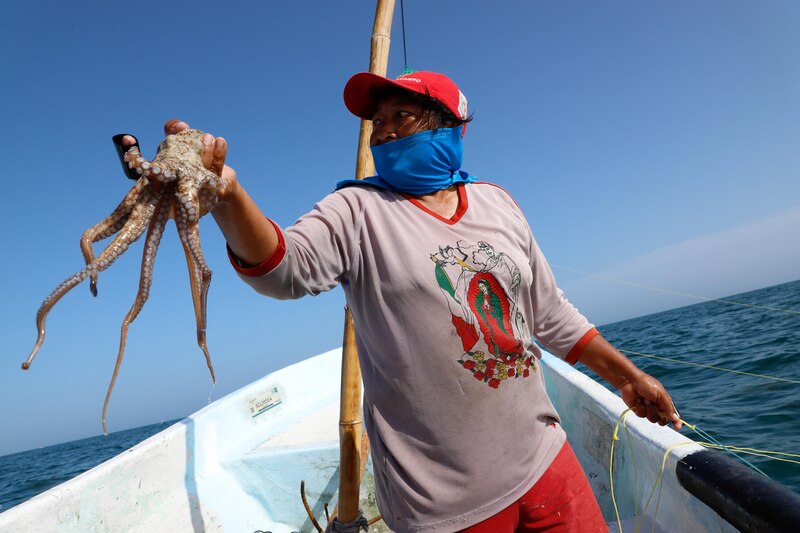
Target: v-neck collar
x=461 y=189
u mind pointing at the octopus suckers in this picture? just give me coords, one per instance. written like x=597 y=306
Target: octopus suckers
x=178 y=165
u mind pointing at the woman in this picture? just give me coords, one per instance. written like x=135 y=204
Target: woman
x=447 y=287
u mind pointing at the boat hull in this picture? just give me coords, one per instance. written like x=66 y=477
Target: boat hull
x=237 y=464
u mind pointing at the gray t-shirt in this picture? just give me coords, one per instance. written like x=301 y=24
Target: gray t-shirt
x=445 y=310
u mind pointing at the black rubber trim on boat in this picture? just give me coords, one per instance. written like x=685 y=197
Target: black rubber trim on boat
x=740 y=495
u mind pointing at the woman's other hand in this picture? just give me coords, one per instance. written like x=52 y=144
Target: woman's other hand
x=643 y=393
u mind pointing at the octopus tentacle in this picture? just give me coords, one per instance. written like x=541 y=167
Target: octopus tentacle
x=109 y=226
x=200 y=283
x=147 y=169
x=132 y=230
x=209 y=195
x=175 y=185
x=154 y=234
x=186 y=221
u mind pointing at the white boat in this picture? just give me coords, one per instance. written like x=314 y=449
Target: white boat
x=237 y=465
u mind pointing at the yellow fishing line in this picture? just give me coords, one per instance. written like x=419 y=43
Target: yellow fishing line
x=659 y=477
x=614 y=439
x=751 y=451
x=721 y=368
x=640 y=516
x=635 y=488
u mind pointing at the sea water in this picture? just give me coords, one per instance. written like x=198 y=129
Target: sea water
x=756 y=332
x=748 y=332
x=23 y=475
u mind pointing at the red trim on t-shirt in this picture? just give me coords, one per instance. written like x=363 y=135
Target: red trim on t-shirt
x=575 y=353
x=462 y=205
x=264 y=267
x=502 y=189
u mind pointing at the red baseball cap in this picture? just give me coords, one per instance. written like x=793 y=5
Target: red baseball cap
x=361 y=90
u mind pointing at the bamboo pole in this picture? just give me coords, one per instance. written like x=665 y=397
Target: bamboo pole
x=349 y=427
x=351 y=462
x=378 y=63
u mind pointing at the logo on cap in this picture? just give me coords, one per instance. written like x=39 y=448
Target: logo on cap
x=462 y=105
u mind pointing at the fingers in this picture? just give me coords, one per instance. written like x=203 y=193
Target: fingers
x=170 y=127
x=652 y=413
x=219 y=154
x=666 y=409
x=673 y=416
x=644 y=408
x=208 y=150
x=174 y=126
x=649 y=399
x=214 y=150
x=214 y=153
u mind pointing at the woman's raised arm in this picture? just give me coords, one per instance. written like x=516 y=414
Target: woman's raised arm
x=249 y=234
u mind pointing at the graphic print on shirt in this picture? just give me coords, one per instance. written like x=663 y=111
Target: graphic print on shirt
x=481 y=287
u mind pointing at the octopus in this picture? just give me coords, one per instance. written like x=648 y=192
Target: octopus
x=174 y=185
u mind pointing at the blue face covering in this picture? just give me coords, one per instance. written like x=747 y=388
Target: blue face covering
x=422 y=163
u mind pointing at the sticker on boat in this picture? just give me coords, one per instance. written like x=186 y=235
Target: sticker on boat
x=264 y=401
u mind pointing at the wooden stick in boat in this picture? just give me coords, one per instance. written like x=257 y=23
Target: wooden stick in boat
x=350 y=460
x=363 y=458
x=349 y=427
x=378 y=63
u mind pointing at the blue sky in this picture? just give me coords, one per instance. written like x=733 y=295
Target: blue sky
x=654 y=142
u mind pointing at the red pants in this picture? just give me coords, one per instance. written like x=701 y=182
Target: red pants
x=560 y=501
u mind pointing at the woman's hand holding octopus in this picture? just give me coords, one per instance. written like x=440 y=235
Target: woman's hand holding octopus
x=214 y=153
